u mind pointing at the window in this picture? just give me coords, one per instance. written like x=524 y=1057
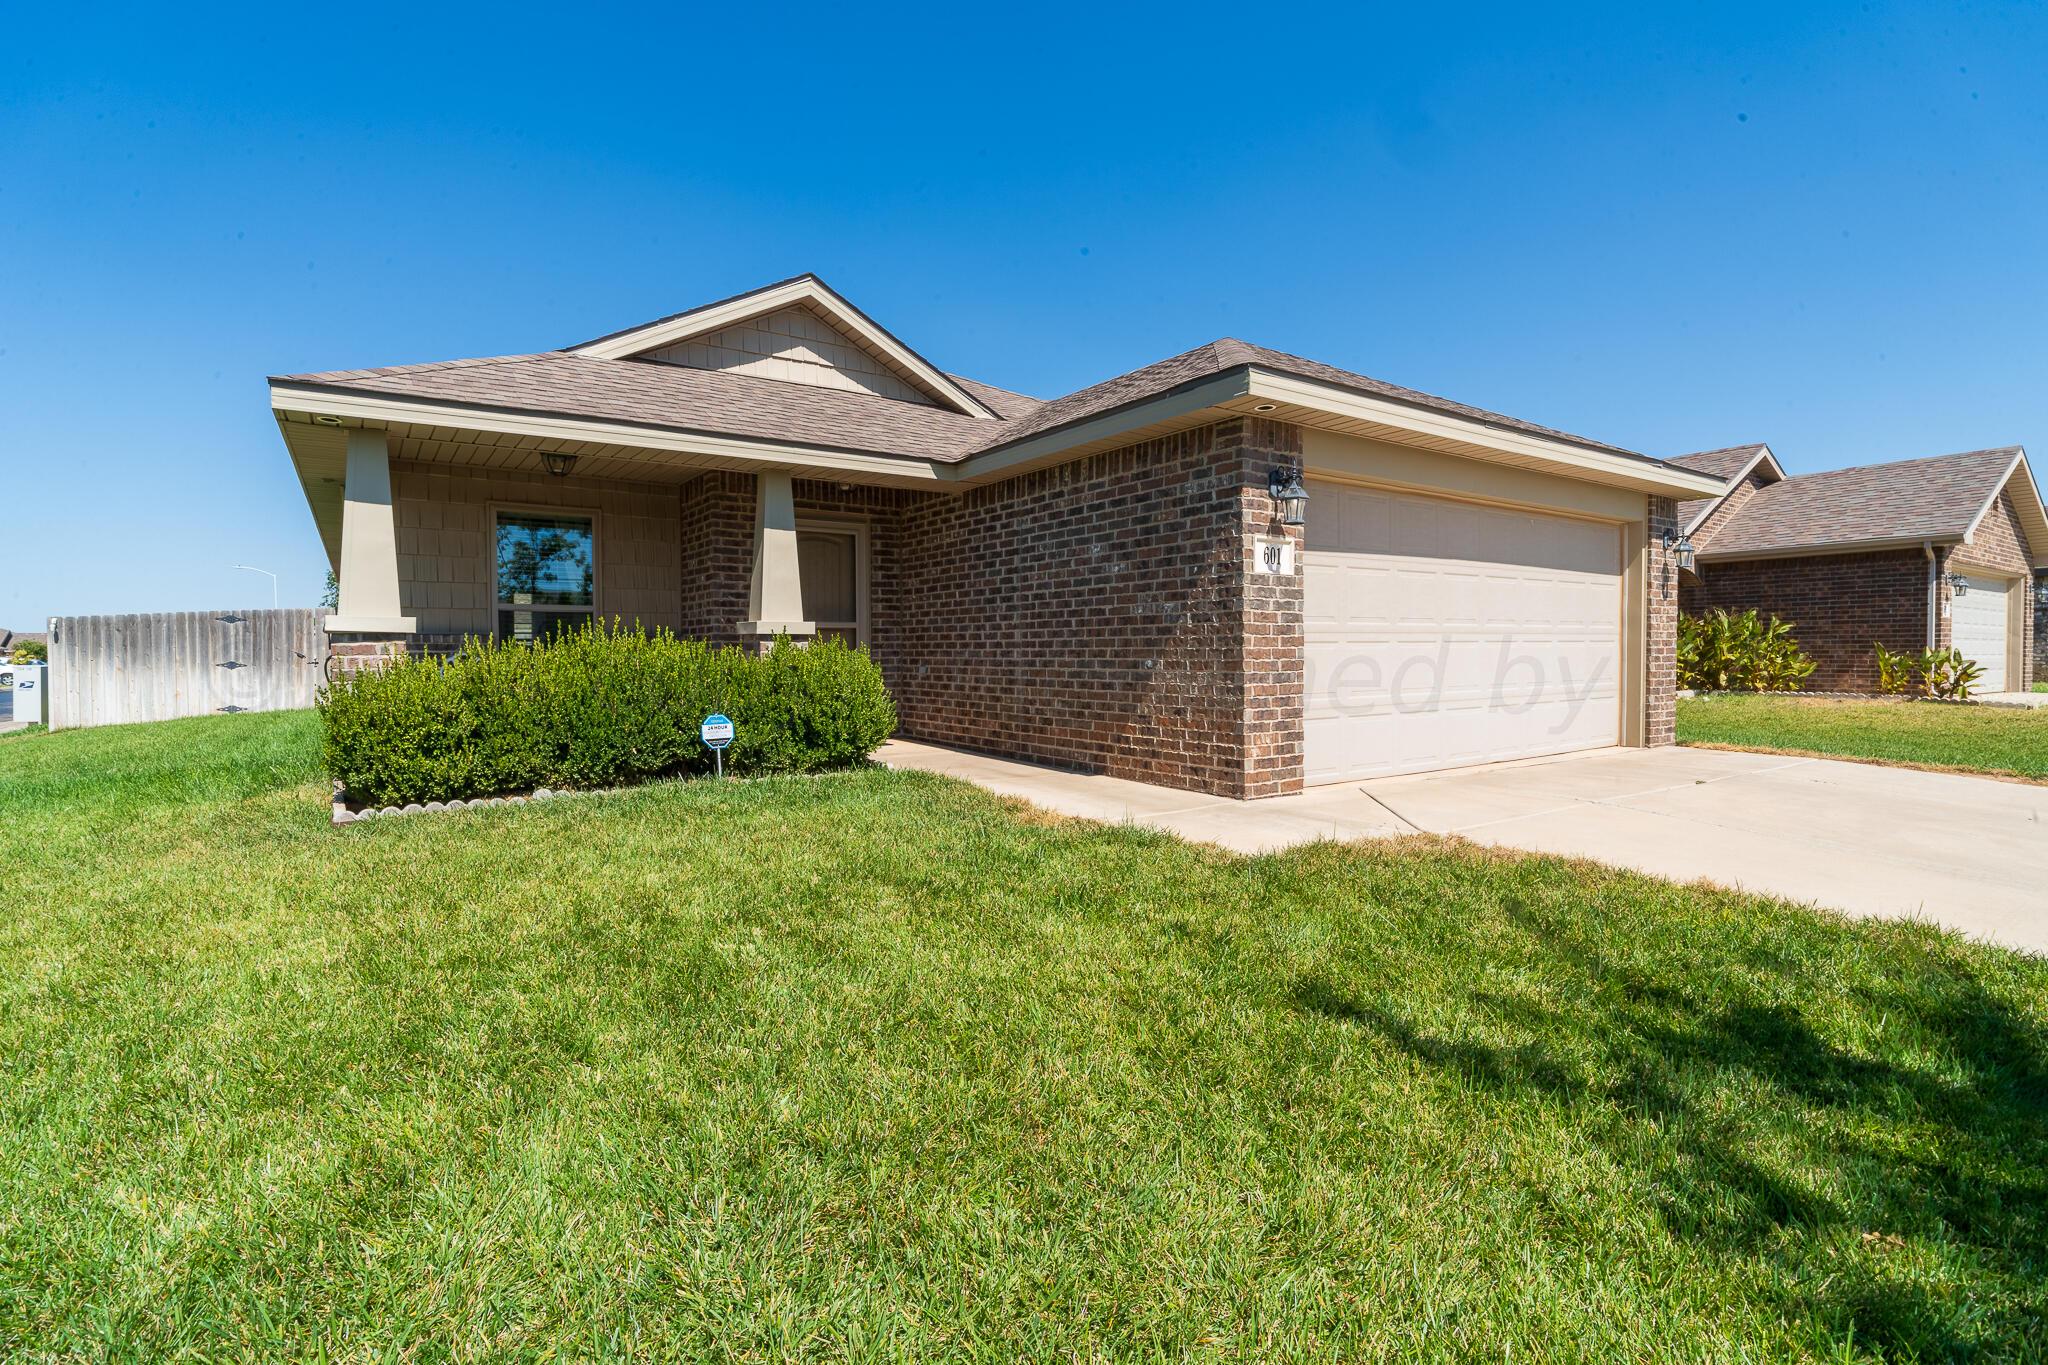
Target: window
x=828 y=570
x=547 y=576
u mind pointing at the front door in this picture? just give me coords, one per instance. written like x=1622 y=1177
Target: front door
x=832 y=576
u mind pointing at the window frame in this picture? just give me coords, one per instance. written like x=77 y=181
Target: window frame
x=494 y=510
x=862 y=579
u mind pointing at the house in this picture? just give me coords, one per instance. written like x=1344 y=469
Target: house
x=1234 y=571
x=1913 y=555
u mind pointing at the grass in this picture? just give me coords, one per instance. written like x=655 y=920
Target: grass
x=1973 y=739
x=877 y=1067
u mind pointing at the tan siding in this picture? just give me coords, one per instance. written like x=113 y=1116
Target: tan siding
x=796 y=346
x=444 y=543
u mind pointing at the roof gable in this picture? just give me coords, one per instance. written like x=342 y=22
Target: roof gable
x=798 y=331
x=1732 y=465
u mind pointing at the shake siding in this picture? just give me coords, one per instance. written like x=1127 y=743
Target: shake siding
x=446 y=554
x=795 y=346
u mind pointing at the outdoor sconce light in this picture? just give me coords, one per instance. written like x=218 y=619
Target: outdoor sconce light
x=558 y=463
x=1680 y=549
x=1285 y=486
x=1958 y=586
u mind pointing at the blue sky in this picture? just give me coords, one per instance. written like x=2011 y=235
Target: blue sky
x=1669 y=228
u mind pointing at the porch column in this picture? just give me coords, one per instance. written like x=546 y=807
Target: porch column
x=775 y=602
x=368 y=607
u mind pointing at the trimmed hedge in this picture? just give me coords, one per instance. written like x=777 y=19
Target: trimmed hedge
x=597 y=707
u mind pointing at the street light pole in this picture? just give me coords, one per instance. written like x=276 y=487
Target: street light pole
x=271 y=576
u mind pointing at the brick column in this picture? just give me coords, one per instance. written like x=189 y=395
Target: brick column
x=1268 y=610
x=1660 y=673
x=352 y=652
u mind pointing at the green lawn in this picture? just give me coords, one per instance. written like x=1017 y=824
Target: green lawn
x=1984 y=739
x=876 y=1067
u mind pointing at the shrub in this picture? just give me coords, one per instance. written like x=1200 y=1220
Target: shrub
x=1946 y=674
x=1720 y=652
x=1943 y=674
x=1896 y=672
x=599 y=706
x=30 y=652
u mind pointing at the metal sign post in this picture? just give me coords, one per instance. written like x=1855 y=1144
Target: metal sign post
x=717 y=733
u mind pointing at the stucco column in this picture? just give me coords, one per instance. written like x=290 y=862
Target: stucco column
x=775 y=602
x=368 y=603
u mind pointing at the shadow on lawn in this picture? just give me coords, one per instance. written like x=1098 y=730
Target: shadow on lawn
x=1689 y=1092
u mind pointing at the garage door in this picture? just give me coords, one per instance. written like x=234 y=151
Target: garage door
x=1980 y=611
x=1442 y=633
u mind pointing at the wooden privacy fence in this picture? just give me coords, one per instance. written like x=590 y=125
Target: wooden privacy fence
x=109 y=670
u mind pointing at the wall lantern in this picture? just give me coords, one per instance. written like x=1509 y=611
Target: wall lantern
x=558 y=463
x=1680 y=549
x=1285 y=486
x=1958 y=586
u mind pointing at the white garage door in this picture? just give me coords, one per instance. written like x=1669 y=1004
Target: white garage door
x=1980 y=612
x=1443 y=633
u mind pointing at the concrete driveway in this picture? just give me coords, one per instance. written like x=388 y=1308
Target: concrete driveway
x=1967 y=852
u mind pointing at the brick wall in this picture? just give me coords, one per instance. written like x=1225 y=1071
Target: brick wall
x=1271 y=612
x=1660 y=637
x=1839 y=607
x=352 y=653
x=1100 y=615
x=717 y=555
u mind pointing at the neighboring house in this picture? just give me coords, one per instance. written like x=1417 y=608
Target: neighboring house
x=1105 y=581
x=1912 y=555
x=2041 y=627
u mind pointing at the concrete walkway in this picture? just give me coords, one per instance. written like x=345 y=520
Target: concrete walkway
x=2033 y=700
x=1967 y=852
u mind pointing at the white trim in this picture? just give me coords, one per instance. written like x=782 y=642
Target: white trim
x=387 y=409
x=1714 y=504
x=1647 y=475
x=806 y=289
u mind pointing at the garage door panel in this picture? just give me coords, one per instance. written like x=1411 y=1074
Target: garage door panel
x=1980 y=616
x=1441 y=633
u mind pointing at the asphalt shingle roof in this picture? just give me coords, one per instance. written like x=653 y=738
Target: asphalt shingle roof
x=713 y=401
x=676 y=397
x=1930 y=499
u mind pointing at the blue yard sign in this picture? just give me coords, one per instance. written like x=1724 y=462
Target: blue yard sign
x=717 y=733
